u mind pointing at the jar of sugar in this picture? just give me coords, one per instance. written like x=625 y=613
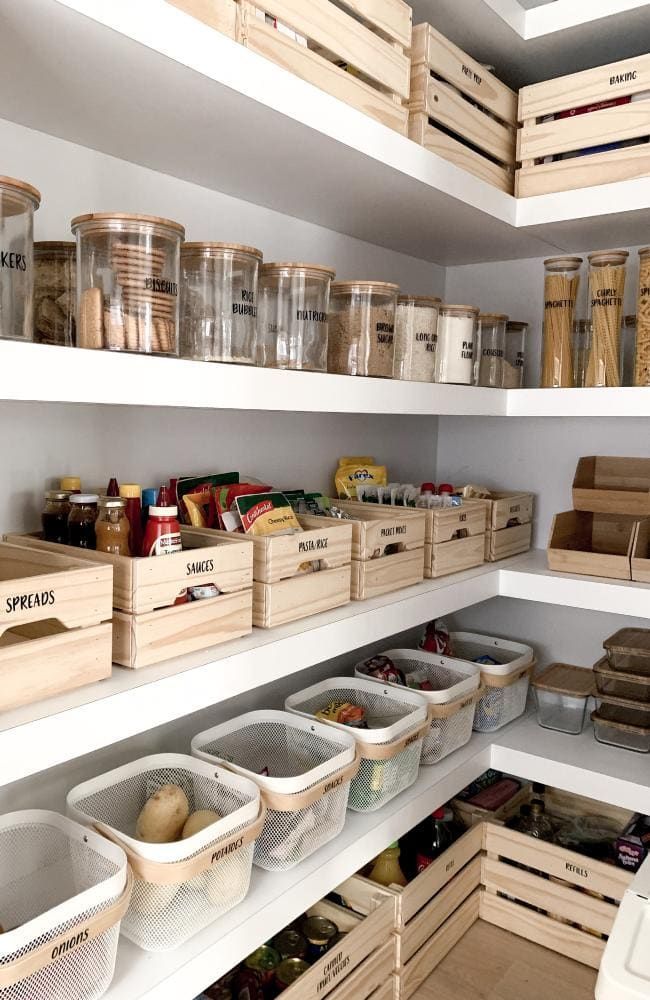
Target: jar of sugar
x=456 y=348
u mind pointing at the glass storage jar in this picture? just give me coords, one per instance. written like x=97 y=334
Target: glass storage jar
x=628 y=349
x=416 y=335
x=492 y=349
x=642 y=357
x=112 y=528
x=456 y=348
x=54 y=517
x=81 y=520
x=580 y=354
x=218 y=308
x=561 y=286
x=606 y=291
x=18 y=202
x=514 y=366
x=55 y=285
x=127 y=282
x=292 y=320
x=362 y=328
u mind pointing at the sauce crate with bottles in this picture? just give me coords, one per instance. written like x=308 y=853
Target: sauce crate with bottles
x=509 y=524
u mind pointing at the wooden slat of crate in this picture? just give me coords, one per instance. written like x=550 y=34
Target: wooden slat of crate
x=454 y=556
x=218 y=14
x=583 y=171
x=385 y=992
x=640 y=561
x=375 y=526
x=300 y=596
x=471 y=815
x=612 y=485
x=394 y=18
x=569 y=805
x=367 y=978
x=420 y=131
x=373 y=577
x=443 y=525
x=591 y=544
x=591 y=86
x=507 y=542
x=503 y=507
x=628 y=121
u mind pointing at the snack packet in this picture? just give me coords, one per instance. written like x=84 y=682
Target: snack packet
x=266 y=514
x=436 y=639
x=199 y=485
x=225 y=497
x=356 y=471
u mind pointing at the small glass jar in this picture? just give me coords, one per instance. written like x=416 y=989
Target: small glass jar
x=54 y=518
x=515 y=360
x=81 y=520
x=606 y=290
x=127 y=282
x=581 y=349
x=456 y=349
x=362 y=328
x=18 y=202
x=55 y=293
x=492 y=350
x=416 y=336
x=292 y=321
x=561 y=287
x=628 y=350
x=112 y=527
x=642 y=358
x=218 y=310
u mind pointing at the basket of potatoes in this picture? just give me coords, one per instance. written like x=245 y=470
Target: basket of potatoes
x=188 y=830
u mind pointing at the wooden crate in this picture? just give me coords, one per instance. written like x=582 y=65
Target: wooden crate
x=640 y=561
x=376 y=530
x=218 y=14
x=55 y=631
x=472 y=815
x=461 y=111
x=592 y=544
x=584 y=126
x=147 y=626
x=612 y=485
x=455 y=538
x=509 y=524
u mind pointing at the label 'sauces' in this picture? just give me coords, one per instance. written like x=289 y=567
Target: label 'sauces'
x=203 y=566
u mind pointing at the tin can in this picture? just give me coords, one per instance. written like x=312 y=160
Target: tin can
x=263 y=961
x=320 y=932
x=288 y=971
x=337 y=940
x=290 y=943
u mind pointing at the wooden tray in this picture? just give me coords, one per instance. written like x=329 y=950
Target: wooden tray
x=376 y=528
x=592 y=544
x=472 y=815
x=640 y=562
x=612 y=485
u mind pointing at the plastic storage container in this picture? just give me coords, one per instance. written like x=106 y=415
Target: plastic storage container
x=127 y=282
x=18 y=202
x=293 y=316
x=64 y=890
x=456 y=347
x=416 y=336
x=362 y=328
x=631 y=713
x=618 y=684
x=628 y=650
x=55 y=293
x=218 y=302
x=642 y=353
x=609 y=728
x=492 y=350
x=451 y=703
x=506 y=681
x=562 y=694
x=303 y=771
x=179 y=887
x=514 y=368
x=389 y=748
x=561 y=287
x=606 y=292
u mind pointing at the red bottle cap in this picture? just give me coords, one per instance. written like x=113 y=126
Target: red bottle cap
x=428 y=488
x=445 y=488
x=439 y=813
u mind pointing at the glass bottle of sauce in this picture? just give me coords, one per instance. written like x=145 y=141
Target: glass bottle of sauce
x=112 y=527
x=55 y=516
x=131 y=494
x=113 y=489
x=387 y=870
x=81 y=520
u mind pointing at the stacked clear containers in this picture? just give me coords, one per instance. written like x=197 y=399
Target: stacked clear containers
x=606 y=290
x=416 y=336
x=18 y=201
x=561 y=286
x=55 y=284
x=362 y=328
x=127 y=282
x=456 y=348
x=492 y=350
x=292 y=328
x=515 y=359
x=218 y=308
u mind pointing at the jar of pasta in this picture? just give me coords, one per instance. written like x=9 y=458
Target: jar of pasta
x=293 y=312
x=642 y=356
x=416 y=336
x=561 y=285
x=127 y=282
x=18 y=202
x=606 y=291
x=55 y=292
x=362 y=328
x=492 y=349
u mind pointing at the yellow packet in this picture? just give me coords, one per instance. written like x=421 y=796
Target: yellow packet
x=358 y=471
x=267 y=514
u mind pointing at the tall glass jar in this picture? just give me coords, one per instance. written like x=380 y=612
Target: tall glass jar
x=292 y=320
x=81 y=520
x=628 y=349
x=112 y=527
x=514 y=368
x=55 y=292
x=642 y=358
x=581 y=349
x=218 y=310
x=456 y=349
x=606 y=291
x=127 y=282
x=18 y=202
x=492 y=349
x=561 y=285
x=362 y=328
x=54 y=517
x=416 y=336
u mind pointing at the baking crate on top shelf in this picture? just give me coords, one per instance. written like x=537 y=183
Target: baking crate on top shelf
x=592 y=544
x=147 y=626
x=55 y=633
x=282 y=590
x=590 y=128
x=509 y=524
x=612 y=485
x=461 y=111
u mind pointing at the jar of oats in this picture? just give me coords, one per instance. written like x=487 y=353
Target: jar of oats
x=362 y=328
x=416 y=336
x=642 y=357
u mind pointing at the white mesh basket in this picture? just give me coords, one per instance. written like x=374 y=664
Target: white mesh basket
x=304 y=771
x=390 y=747
x=63 y=891
x=180 y=887
x=450 y=705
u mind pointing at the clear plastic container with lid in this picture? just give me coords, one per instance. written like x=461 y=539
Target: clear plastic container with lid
x=127 y=282
x=416 y=336
x=55 y=292
x=292 y=318
x=18 y=202
x=492 y=350
x=456 y=348
x=606 y=291
x=515 y=360
x=362 y=328
x=218 y=306
x=561 y=287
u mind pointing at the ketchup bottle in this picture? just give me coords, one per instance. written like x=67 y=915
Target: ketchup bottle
x=131 y=493
x=162 y=536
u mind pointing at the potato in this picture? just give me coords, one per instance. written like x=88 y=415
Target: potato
x=163 y=816
x=198 y=821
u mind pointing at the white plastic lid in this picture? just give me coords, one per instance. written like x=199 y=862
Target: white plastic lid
x=163 y=511
x=84 y=497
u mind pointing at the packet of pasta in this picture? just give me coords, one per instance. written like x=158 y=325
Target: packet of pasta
x=356 y=471
x=267 y=514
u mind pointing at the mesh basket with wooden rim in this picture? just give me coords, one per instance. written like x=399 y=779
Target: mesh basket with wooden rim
x=506 y=681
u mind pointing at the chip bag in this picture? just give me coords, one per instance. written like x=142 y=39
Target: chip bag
x=267 y=514
x=356 y=471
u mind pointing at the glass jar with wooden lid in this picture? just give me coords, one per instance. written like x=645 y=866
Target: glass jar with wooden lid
x=515 y=360
x=55 y=292
x=492 y=349
x=416 y=336
x=293 y=314
x=18 y=202
x=456 y=348
x=606 y=290
x=561 y=286
x=362 y=328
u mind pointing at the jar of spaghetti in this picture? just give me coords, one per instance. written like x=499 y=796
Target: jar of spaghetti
x=561 y=285
x=606 y=291
x=642 y=355
x=127 y=282
x=218 y=307
x=293 y=314
x=515 y=359
x=362 y=328
x=18 y=202
x=416 y=336
x=492 y=349
x=55 y=292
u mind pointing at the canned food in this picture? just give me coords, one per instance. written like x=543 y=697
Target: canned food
x=288 y=971
x=290 y=943
x=248 y=985
x=263 y=961
x=320 y=932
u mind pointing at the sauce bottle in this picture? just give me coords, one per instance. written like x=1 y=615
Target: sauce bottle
x=162 y=535
x=81 y=520
x=130 y=493
x=112 y=528
x=55 y=516
x=386 y=869
x=112 y=490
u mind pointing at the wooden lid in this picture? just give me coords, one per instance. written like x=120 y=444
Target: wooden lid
x=22 y=187
x=629 y=640
x=319 y=269
x=609 y=719
x=603 y=667
x=418 y=300
x=456 y=310
x=516 y=326
x=604 y=257
x=102 y=218
x=495 y=317
x=55 y=246
x=364 y=286
x=643 y=251
x=563 y=263
x=209 y=248
x=564 y=678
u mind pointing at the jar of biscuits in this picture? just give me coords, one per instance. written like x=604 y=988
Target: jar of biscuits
x=55 y=284
x=292 y=328
x=18 y=202
x=362 y=328
x=127 y=282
